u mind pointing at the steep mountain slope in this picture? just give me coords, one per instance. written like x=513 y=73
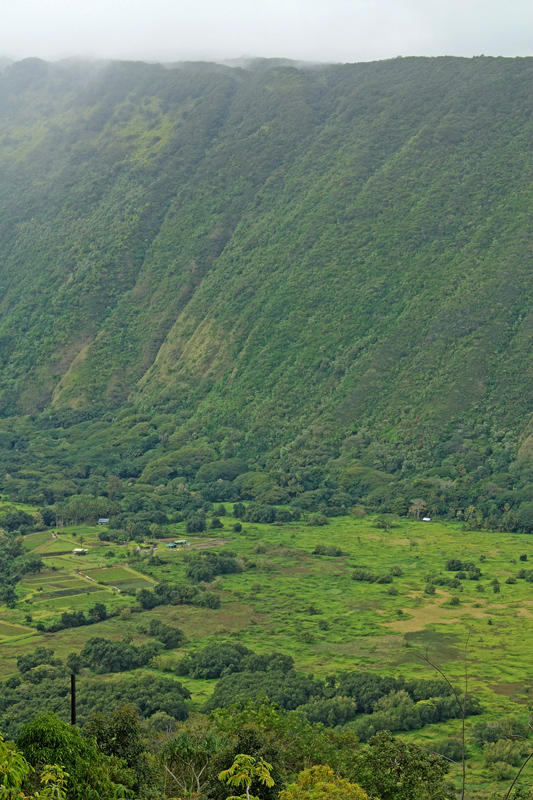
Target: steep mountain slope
x=333 y=261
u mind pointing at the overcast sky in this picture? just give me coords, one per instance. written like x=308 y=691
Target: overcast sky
x=317 y=30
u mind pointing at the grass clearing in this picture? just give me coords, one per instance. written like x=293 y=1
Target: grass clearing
x=8 y=630
x=308 y=606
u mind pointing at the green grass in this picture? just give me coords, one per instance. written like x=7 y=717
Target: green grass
x=279 y=601
x=34 y=540
x=118 y=575
x=61 y=544
x=9 y=630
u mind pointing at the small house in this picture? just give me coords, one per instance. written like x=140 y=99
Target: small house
x=103 y=521
x=80 y=551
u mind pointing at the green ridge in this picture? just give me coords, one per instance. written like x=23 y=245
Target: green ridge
x=324 y=267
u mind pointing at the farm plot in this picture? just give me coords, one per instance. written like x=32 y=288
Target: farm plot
x=33 y=540
x=47 y=586
x=78 y=602
x=123 y=577
x=55 y=546
x=8 y=630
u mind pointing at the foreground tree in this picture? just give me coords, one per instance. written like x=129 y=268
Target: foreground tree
x=187 y=756
x=244 y=771
x=91 y=774
x=321 y=783
x=15 y=770
x=394 y=770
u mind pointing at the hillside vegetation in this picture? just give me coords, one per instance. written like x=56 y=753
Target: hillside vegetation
x=302 y=282
x=331 y=623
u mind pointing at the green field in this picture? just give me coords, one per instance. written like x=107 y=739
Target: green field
x=7 y=630
x=308 y=606
x=121 y=577
x=278 y=602
x=33 y=540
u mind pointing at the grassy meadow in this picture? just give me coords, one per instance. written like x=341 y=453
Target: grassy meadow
x=308 y=606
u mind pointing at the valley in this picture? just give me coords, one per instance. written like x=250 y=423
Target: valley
x=291 y=597
x=266 y=423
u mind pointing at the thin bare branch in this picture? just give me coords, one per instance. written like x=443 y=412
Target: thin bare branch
x=461 y=703
x=511 y=787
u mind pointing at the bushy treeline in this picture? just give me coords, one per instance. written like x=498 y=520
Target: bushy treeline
x=205 y=565
x=114 y=755
x=102 y=655
x=76 y=619
x=156 y=752
x=138 y=510
x=15 y=562
x=117 y=753
x=46 y=687
x=367 y=576
x=172 y=594
x=217 y=660
x=368 y=702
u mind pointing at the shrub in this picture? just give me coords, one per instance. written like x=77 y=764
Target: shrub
x=327 y=550
x=204 y=566
x=364 y=575
x=451 y=749
x=504 y=728
x=454 y=565
x=195 y=523
x=506 y=751
x=317 y=519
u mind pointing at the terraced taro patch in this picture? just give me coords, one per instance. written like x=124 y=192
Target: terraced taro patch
x=122 y=577
x=8 y=630
x=41 y=587
x=33 y=540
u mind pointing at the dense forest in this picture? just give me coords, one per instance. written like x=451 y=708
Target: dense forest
x=286 y=284
x=249 y=305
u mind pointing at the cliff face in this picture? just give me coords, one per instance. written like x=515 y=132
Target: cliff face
x=274 y=255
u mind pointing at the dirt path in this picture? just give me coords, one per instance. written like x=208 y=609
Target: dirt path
x=87 y=577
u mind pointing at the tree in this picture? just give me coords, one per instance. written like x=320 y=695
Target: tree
x=15 y=770
x=321 y=783
x=285 y=738
x=418 y=505
x=243 y=772
x=394 y=770
x=187 y=756
x=195 y=523
x=119 y=734
x=98 y=612
x=91 y=775
x=74 y=662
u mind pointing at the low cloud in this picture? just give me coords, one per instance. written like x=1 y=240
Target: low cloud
x=336 y=30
